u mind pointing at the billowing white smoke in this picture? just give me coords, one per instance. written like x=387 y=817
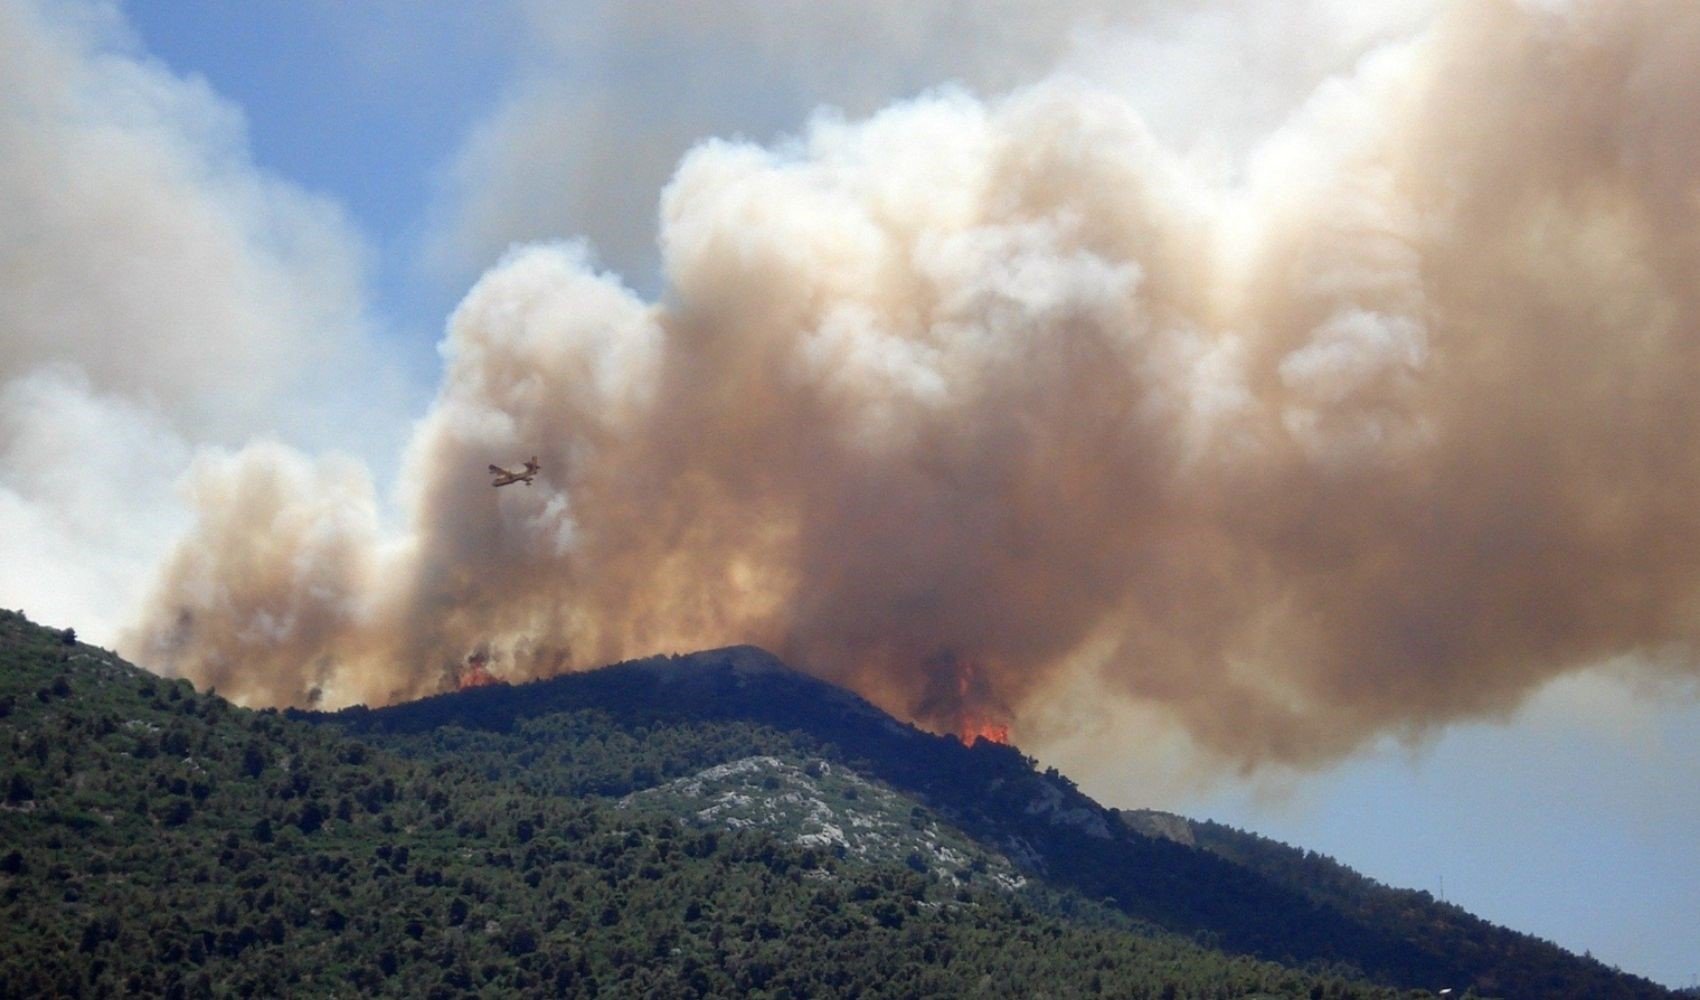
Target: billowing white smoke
x=611 y=96
x=156 y=292
x=1386 y=431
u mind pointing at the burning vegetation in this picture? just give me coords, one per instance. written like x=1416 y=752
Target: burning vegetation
x=975 y=729
x=475 y=673
x=963 y=702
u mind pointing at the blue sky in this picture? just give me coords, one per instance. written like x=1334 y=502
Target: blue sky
x=420 y=142
x=366 y=103
x=1558 y=823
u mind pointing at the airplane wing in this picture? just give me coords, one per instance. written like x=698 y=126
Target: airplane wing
x=507 y=477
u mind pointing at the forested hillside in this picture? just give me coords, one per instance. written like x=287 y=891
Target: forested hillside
x=158 y=841
x=638 y=725
x=1509 y=961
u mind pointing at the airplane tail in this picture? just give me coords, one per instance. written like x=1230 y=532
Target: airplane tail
x=496 y=470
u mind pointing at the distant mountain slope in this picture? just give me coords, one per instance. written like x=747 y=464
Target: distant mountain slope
x=1514 y=963
x=640 y=724
x=156 y=841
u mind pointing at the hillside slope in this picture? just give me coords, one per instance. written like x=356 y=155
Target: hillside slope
x=1513 y=962
x=158 y=841
x=641 y=724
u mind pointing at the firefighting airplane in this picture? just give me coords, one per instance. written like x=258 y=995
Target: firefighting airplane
x=507 y=478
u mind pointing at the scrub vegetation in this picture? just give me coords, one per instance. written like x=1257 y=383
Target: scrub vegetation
x=158 y=841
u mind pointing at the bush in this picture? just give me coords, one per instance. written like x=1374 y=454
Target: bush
x=178 y=812
x=19 y=788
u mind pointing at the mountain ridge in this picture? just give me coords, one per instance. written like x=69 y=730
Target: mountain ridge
x=1217 y=886
x=538 y=839
x=160 y=841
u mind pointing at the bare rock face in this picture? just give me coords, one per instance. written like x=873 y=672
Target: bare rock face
x=1162 y=825
x=819 y=805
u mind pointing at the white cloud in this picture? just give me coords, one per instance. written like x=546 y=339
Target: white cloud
x=87 y=504
x=142 y=244
x=610 y=97
x=157 y=291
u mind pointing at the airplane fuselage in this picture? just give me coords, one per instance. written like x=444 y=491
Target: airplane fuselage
x=507 y=477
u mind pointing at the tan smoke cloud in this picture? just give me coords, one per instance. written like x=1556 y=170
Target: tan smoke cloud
x=956 y=401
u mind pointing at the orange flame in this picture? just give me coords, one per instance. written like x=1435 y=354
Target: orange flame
x=972 y=723
x=975 y=730
x=475 y=674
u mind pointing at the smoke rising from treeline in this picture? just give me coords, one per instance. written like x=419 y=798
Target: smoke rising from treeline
x=959 y=400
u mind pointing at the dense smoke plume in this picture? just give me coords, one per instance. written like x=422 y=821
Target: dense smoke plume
x=950 y=403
